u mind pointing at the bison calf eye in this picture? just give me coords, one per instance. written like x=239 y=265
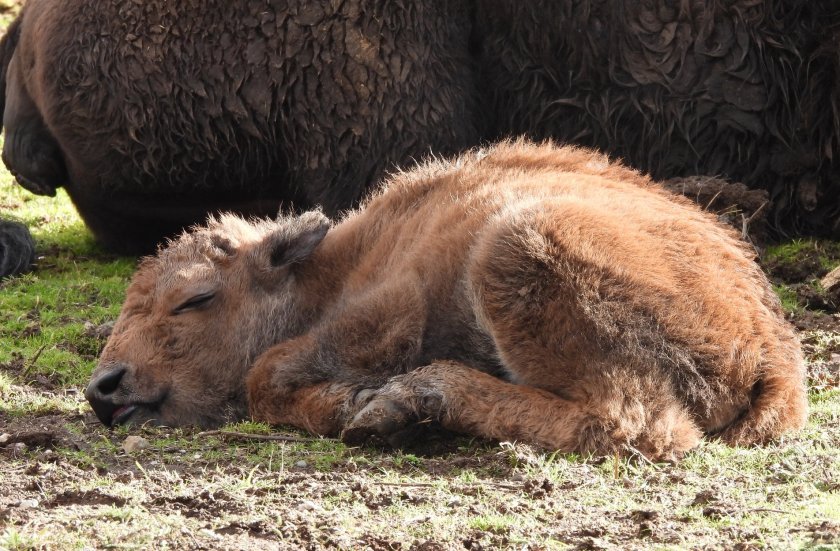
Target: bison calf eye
x=194 y=303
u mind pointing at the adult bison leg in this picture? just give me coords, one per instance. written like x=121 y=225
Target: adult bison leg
x=465 y=400
x=30 y=151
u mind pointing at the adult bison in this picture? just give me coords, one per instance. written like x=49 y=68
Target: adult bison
x=525 y=292
x=153 y=113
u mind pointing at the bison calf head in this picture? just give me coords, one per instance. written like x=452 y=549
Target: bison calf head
x=196 y=316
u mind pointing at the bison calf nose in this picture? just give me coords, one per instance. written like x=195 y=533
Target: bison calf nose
x=100 y=392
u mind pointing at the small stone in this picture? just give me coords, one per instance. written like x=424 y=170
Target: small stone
x=28 y=504
x=308 y=505
x=135 y=444
x=453 y=502
x=206 y=532
x=19 y=448
x=4 y=438
x=301 y=464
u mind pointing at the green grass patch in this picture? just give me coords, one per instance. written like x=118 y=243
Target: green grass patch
x=822 y=253
x=47 y=317
x=790 y=302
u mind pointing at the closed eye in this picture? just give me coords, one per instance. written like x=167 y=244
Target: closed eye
x=195 y=303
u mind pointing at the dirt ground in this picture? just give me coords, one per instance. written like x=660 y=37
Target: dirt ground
x=71 y=486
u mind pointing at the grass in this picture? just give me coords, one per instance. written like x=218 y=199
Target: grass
x=825 y=253
x=797 y=268
x=789 y=298
x=45 y=316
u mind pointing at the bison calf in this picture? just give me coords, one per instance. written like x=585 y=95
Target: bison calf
x=526 y=292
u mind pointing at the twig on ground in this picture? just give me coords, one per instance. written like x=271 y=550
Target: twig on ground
x=265 y=437
x=34 y=359
x=746 y=221
x=641 y=456
x=404 y=484
x=485 y=484
x=763 y=510
x=712 y=200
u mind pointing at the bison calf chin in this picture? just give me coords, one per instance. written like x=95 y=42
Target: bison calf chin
x=528 y=292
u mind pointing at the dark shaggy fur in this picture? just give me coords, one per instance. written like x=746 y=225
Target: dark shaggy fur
x=153 y=113
x=17 y=250
x=746 y=89
x=159 y=112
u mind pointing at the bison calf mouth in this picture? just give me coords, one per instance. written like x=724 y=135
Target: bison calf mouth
x=122 y=413
x=100 y=394
x=112 y=414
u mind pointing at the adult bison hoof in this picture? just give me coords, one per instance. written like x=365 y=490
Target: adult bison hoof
x=17 y=249
x=383 y=420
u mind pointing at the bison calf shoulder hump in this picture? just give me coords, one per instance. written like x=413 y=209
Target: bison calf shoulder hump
x=523 y=292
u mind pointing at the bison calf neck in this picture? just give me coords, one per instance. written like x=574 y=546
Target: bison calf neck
x=526 y=292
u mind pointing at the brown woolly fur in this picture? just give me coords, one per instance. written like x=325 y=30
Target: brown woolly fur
x=528 y=292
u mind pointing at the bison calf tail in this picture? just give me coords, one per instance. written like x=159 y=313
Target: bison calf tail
x=779 y=404
x=17 y=249
x=8 y=45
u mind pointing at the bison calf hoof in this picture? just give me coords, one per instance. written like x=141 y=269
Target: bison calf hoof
x=385 y=420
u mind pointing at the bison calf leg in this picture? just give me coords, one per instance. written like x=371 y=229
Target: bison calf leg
x=466 y=400
x=320 y=409
x=278 y=394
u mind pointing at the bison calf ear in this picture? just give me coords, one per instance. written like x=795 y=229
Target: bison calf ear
x=293 y=239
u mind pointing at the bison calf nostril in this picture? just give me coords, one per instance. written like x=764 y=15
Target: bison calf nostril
x=108 y=383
